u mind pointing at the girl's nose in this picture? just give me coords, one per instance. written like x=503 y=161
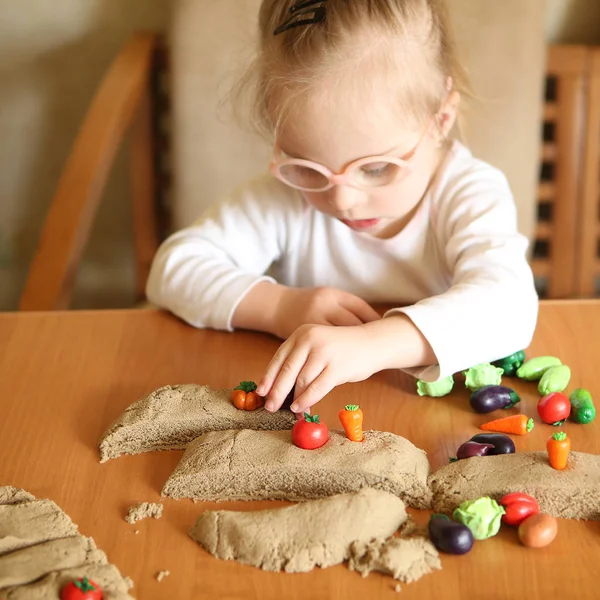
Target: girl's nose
x=344 y=197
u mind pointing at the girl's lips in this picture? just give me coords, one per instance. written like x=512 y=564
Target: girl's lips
x=361 y=224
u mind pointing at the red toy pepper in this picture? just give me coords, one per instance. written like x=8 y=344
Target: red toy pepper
x=518 y=507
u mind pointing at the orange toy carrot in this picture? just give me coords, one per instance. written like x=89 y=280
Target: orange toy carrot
x=558 y=447
x=351 y=418
x=516 y=424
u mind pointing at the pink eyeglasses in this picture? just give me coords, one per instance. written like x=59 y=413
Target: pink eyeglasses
x=364 y=173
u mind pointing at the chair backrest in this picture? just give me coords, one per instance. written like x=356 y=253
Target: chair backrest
x=503 y=46
x=588 y=234
x=557 y=240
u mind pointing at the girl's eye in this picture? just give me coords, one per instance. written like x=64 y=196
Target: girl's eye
x=305 y=172
x=378 y=169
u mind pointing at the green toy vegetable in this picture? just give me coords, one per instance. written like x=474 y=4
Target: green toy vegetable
x=582 y=407
x=435 y=389
x=481 y=375
x=555 y=379
x=534 y=368
x=510 y=364
x=482 y=516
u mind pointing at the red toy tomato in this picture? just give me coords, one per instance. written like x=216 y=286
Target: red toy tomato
x=81 y=589
x=554 y=408
x=309 y=433
x=518 y=507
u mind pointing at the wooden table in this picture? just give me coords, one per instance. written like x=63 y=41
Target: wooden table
x=64 y=377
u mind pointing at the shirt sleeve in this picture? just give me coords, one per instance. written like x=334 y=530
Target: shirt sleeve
x=491 y=309
x=202 y=272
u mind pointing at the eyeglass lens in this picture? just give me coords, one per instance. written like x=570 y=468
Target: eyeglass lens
x=367 y=175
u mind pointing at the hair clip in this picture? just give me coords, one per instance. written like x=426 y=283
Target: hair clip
x=303 y=8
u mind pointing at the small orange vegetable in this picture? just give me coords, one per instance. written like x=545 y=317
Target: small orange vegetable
x=515 y=424
x=351 y=418
x=538 y=530
x=244 y=396
x=558 y=447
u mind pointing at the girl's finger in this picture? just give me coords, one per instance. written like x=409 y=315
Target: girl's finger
x=315 y=392
x=363 y=310
x=274 y=366
x=343 y=318
x=310 y=371
x=286 y=378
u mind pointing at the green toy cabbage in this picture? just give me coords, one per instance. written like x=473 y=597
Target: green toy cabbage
x=481 y=375
x=481 y=516
x=435 y=388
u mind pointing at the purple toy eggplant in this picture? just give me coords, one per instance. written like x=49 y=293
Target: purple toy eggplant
x=501 y=443
x=449 y=536
x=493 y=397
x=470 y=449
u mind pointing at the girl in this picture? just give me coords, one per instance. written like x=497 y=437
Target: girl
x=367 y=201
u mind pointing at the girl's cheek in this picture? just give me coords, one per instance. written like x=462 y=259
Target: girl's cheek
x=313 y=199
x=390 y=198
x=318 y=200
x=407 y=194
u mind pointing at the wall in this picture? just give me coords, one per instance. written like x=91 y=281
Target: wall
x=52 y=57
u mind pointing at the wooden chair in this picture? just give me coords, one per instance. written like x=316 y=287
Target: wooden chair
x=130 y=101
x=124 y=104
x=588 y=234
x=554 y=248
x=565 y=253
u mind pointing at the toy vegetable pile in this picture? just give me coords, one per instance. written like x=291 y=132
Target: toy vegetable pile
x=485 y=444
x=554 y=406
x=535 y=529
x=487 y=393
x=481 y=519
x=473 y=520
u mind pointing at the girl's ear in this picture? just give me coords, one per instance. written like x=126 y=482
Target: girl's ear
x=447 y=115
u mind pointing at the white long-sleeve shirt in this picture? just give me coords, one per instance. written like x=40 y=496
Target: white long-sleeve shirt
x=458 y=269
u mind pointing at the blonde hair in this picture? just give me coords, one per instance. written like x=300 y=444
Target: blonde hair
x=410 y=39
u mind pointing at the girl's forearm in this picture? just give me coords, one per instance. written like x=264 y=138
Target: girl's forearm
x=258 y=307
x=400 y=343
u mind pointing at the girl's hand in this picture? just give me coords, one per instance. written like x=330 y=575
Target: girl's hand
x=319 y=306
x=316 y=359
